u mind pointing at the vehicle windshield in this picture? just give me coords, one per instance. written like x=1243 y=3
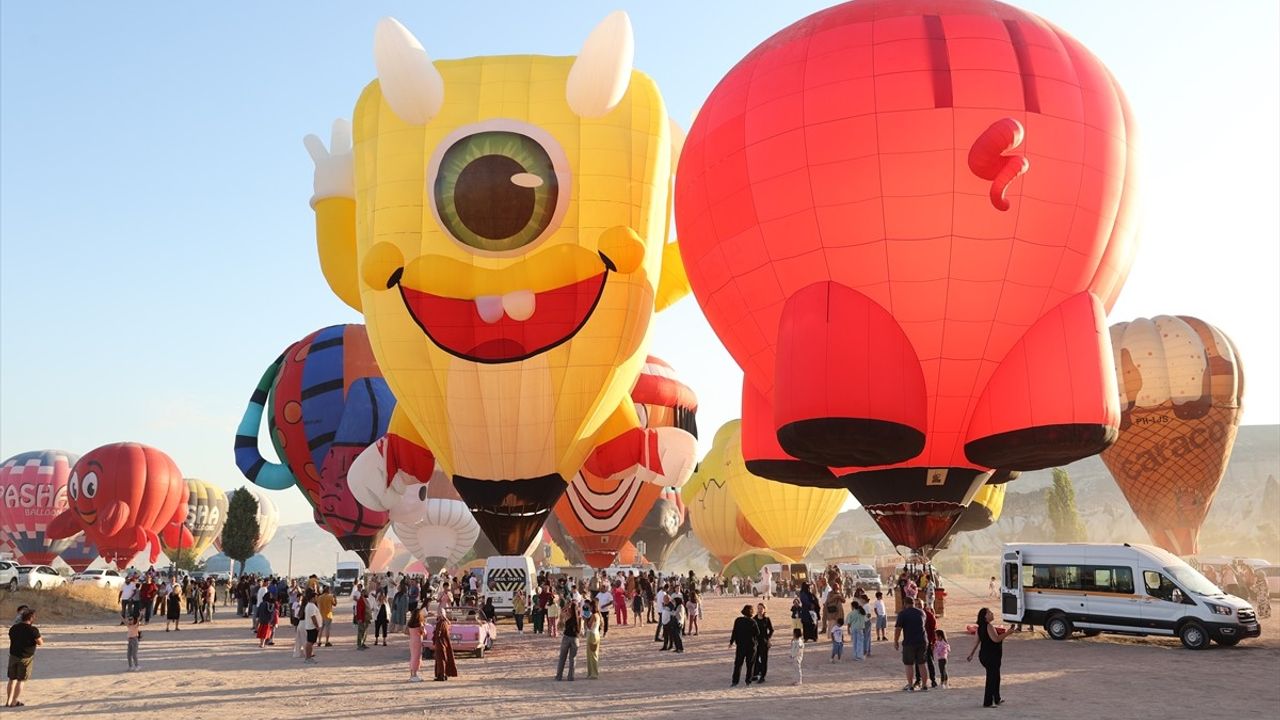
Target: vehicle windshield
x=1191 y=579
x=866 y=573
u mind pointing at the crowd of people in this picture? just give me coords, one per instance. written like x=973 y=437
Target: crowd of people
x=1241 y=579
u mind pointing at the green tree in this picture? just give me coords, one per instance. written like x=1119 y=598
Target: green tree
x=187 y=560
x=1061 y=499
x=240 y=533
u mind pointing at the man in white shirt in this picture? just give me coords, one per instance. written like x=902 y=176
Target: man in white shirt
x=660 y=602
x=127 y=595
x=311 y=621
x=474 y=583
x=605 y=599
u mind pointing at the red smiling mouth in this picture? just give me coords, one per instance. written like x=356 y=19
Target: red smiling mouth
x=456 y=326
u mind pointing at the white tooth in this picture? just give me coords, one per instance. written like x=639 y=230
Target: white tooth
x=519 y=304
x=490 y=308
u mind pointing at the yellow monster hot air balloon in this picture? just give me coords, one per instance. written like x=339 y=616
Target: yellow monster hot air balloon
x=502 y=223
x=983 y=511
x=1181 y=385
x=790 y=518
x=713 y=513
x=206 y=514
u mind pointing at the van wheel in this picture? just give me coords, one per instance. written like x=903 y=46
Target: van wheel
x=1228 y=641
x=13 y=585
x=1058 y=626
x=1193 y=636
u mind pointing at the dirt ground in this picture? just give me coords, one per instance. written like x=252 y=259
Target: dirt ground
x=217 y=671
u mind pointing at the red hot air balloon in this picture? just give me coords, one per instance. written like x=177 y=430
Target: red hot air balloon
x=905 y=221
x=122 y=496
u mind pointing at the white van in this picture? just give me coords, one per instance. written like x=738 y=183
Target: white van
x=503 y=575
x=1125 y=589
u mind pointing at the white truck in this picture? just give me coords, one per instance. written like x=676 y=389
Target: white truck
x=503 y=575
x=347 y=575
x=1123 y=589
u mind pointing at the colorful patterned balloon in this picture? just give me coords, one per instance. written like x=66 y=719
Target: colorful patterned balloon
x=33 y=491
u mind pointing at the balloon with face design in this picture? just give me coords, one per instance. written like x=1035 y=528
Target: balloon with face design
x=905 y=220
x=123 y=496
x=502 y=223
x=33 y=491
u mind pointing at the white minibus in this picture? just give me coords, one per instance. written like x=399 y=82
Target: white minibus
x=1125 y=589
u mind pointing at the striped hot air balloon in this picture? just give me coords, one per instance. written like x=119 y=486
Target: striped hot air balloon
x=33 y=491
x=206 y=513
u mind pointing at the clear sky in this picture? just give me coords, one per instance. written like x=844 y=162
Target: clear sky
x=157 y=249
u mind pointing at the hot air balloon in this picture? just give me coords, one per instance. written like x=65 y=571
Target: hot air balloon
x=789 y=518
x=663 y=528
x=1180 y=388
x=713 y=513
x=600 y=513
x=33 y=491
x=81 y=554
x=380 y=557
x=328 y=404
x=983 y=511
x=437 y=530
x=559 y=537
x=268 y=518
x=905 y=220
x=750 y=562
x=122 y=496
x=205 y=516
x=511 y=315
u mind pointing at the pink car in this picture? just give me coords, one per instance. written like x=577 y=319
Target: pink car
x=468 y=632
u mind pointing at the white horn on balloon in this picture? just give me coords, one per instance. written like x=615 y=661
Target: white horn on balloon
x=602 y=72
x=411 y=85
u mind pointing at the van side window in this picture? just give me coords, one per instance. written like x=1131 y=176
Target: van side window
x=1124 y=580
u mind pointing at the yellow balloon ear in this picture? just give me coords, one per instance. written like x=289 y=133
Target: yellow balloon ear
x=673 y=284
x=336 y=244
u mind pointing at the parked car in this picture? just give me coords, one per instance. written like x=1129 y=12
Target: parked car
x=9 y=575
x=99 y=578
x=467 y=632
x=39 y=577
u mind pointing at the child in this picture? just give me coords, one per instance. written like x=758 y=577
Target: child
x=857 y=624
x=553 y=617
x=135 y=636
x=797 y=654
x=941 y=650
x=837 y=640
x=882 y=620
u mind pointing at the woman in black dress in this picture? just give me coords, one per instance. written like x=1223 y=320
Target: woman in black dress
x=809 y=612
x=173 y=613
x=992 y=649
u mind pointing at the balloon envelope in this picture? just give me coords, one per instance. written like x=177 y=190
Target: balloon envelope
x=1180 y=387
x=749 y=563
x=905 y=221
x=434 y=530
x=206 y=514
x=268 y=518
x=33 y=491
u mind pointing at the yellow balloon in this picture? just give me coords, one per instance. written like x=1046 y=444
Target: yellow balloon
x=983 y=511
x=502 y=223
x=206 y=514
x=790 y=518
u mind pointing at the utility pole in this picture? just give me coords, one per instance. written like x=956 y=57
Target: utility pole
x=291 y=537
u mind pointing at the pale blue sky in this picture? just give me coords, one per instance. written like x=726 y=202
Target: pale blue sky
x=157 y=249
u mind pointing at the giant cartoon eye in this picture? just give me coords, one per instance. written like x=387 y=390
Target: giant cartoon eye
x=497 y=190
x=73 y=486
x=90 y=483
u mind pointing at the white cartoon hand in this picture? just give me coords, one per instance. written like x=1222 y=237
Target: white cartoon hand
x=335 y=168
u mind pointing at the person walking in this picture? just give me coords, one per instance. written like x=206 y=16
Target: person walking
x=360 y=616
x=147 y=598
x=797 y=655
x=299 y=629
x=442 y=648
x=603 y=604
x=989 y=645
x=399 y=607
x=679 y=616
x=745 y=638
x=694 y=607
x=569 y=630
x=764 y=639
x=382 y=619
x=991 y=588
x=941 y=651
x=262 y=620
x=910 y=629
x=128 y=594
x=594 y=635
x=311 y=623
x=413 y=626
x=133 y=635
x=518 y=608
x=24 y=638
x=325 y=603
x=173 y=609
x=930 y=627
x=882 y=619
x=619 y=604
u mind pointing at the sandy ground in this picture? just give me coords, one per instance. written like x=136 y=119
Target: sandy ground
x=217 y=671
